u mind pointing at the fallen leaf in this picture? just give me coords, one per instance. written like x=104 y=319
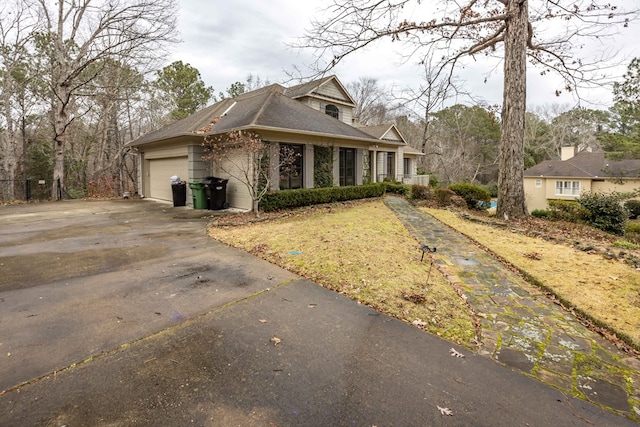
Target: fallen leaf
x=312 y=305
x=455 y=352
x=275 y=340
x=419 y=322
x=263 y=320
x=445 y=411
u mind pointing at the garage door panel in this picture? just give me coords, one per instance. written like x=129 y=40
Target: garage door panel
x=160 y=172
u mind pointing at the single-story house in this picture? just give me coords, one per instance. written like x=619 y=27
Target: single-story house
x=574 y=174
x=307 y=118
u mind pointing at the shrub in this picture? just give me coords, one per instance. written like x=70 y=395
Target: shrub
x=632 y=227
x=443 y=196
x=633 y=206
x=492 y=188
x=420 y=192
x=632 y=232
x=475 y=196
x=433 y=181
x=286 y=199
x=540 y=213
x=397 y=188
x=567 y=210
x=605 y=211
x=446 y=197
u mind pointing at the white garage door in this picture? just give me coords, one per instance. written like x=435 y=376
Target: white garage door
x=160 y=172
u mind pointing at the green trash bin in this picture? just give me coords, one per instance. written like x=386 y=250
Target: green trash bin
x=199 y=195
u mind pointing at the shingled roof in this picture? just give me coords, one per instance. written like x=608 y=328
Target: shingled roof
x=586 y=165
x=263 y=109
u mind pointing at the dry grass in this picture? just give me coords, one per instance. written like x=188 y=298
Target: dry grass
x=364 y=252
x=608 y=290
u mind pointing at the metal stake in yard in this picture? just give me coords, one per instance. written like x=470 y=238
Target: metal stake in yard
x=425 y=249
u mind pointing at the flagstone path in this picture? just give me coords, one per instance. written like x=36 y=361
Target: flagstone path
x=521 y=328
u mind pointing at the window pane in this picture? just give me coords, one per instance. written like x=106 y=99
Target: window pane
x=347 y=166
x=291 y=161
x=332 y=111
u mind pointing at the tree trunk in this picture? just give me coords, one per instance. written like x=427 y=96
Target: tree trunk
x=10 y=148
x=511 y=201
x=60 y=122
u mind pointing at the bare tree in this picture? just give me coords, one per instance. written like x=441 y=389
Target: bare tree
x=428 y=98
x=15 y=36
x=455 y=30
x=371 y=101
x=245 y=157
x=255 y=82
x=78 y=39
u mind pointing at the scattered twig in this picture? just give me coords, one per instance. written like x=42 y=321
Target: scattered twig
x=445 y=411
x=455 y=352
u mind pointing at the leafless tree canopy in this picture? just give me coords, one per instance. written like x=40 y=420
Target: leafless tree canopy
x=558 y=34
x=549 y=34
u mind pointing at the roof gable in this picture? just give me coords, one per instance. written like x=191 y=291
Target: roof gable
x=385 y=132
x=327 y=88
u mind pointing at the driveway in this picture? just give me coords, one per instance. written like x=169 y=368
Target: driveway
x=81 y=277
x=125 y=313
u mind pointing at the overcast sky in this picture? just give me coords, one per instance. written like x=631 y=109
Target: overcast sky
x=227 y=40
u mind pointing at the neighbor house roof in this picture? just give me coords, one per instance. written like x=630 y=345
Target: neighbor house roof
x=586 y=165
x=263 y=109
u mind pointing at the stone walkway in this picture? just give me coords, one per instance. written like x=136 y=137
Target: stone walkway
x=523 y=329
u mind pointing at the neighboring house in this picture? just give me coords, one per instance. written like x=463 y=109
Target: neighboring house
x=574 y=174
x=310 y=118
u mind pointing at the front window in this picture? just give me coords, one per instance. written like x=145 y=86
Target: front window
x=291 y=166
x=567 y=188
x=347 y=166
x=391 y=166
x=332 y=111
x=538 y=183
x=407 y=167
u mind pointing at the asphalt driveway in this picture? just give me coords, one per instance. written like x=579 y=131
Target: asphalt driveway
x=125 y=313
x=81 y=277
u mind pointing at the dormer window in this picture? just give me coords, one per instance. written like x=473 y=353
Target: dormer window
x=332 y=110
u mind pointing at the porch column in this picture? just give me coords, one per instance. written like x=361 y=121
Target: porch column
x=307 y=168
x=198 y=168
x=359 y=165
x=381 y=158
x=336 y=165
x=372 y=165
x=274 y=169
x=400 y=165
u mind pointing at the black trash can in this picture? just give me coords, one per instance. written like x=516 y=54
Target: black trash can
x=179 y=194
x=216 y=189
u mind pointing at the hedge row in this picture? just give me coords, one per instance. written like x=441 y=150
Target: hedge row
x=286 y=199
